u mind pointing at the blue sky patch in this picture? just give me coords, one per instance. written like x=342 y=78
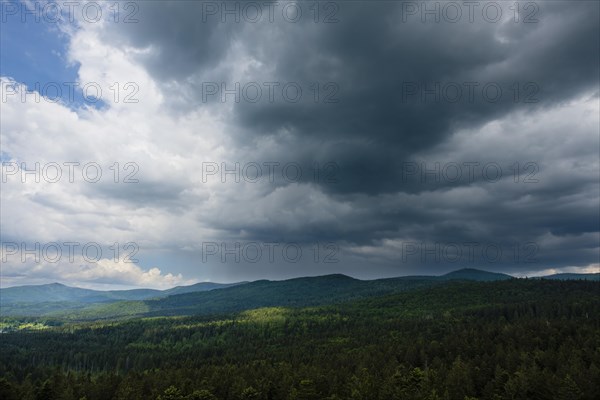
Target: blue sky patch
x=34 y=53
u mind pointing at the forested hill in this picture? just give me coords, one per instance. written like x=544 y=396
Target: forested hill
x=471 y=274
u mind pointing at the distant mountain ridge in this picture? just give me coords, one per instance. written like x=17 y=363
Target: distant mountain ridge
x=213 y=298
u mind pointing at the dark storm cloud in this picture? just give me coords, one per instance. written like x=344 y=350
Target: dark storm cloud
x=378 y=65
x=180 y=42
x=376 y=60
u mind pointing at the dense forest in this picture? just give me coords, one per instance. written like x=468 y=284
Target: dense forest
x=509 y=339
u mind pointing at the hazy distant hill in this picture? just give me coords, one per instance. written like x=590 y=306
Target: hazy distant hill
x=56 y=292
x=53 y=292
x=569 y=277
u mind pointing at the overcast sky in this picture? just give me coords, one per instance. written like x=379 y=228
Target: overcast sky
x=171 y=142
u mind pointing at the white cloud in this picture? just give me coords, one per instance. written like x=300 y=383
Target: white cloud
x=106 y=273
x=589 y=269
